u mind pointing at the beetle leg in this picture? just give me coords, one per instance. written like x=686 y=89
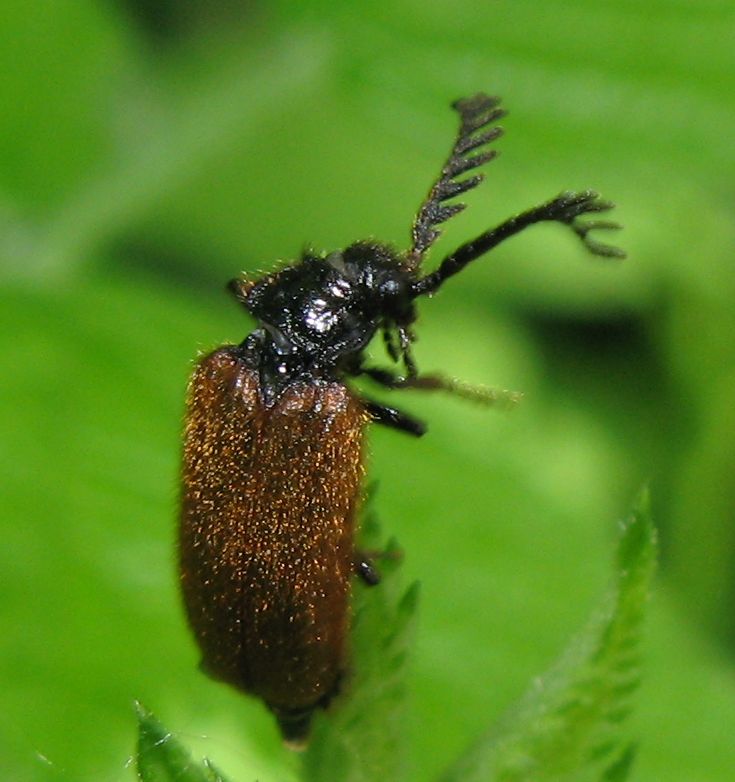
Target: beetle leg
x=438 y=382
x=366 y=570
x=365 y=566
x=389 y=340
x=389 y=416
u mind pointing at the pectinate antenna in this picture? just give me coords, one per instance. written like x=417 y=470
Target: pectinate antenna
x=476 y=114
x=567 y=208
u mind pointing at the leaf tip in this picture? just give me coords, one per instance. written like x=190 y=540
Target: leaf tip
x=638 y=545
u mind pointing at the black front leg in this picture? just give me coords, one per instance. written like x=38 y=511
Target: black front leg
x=436 y=382
x=389 y=416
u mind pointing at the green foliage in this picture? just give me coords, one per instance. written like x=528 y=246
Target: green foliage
x=161 y=758
x=569 y=726
x=141 y=166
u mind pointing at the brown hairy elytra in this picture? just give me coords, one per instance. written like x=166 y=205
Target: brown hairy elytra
x=273 y=446
x=270 y=497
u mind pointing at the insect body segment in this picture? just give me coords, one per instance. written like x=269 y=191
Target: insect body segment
x=270 y=497
x=273 y=450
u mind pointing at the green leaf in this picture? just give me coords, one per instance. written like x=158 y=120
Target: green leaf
x=61 y=63
x=364 y=737
x=161 y=758
x=569 y=725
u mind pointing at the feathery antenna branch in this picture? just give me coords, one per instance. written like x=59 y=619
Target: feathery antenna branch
x=476 y=113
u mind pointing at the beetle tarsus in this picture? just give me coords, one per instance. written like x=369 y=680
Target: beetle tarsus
x=366 y=570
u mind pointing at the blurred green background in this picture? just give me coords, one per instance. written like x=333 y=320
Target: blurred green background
x=149 y=151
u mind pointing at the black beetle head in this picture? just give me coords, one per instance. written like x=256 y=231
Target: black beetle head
x=382 y=284
x=326 y=309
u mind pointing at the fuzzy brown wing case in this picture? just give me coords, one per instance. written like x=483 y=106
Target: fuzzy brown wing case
x=267 y=529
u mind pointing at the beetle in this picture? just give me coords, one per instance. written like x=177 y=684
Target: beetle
x=273 y=459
